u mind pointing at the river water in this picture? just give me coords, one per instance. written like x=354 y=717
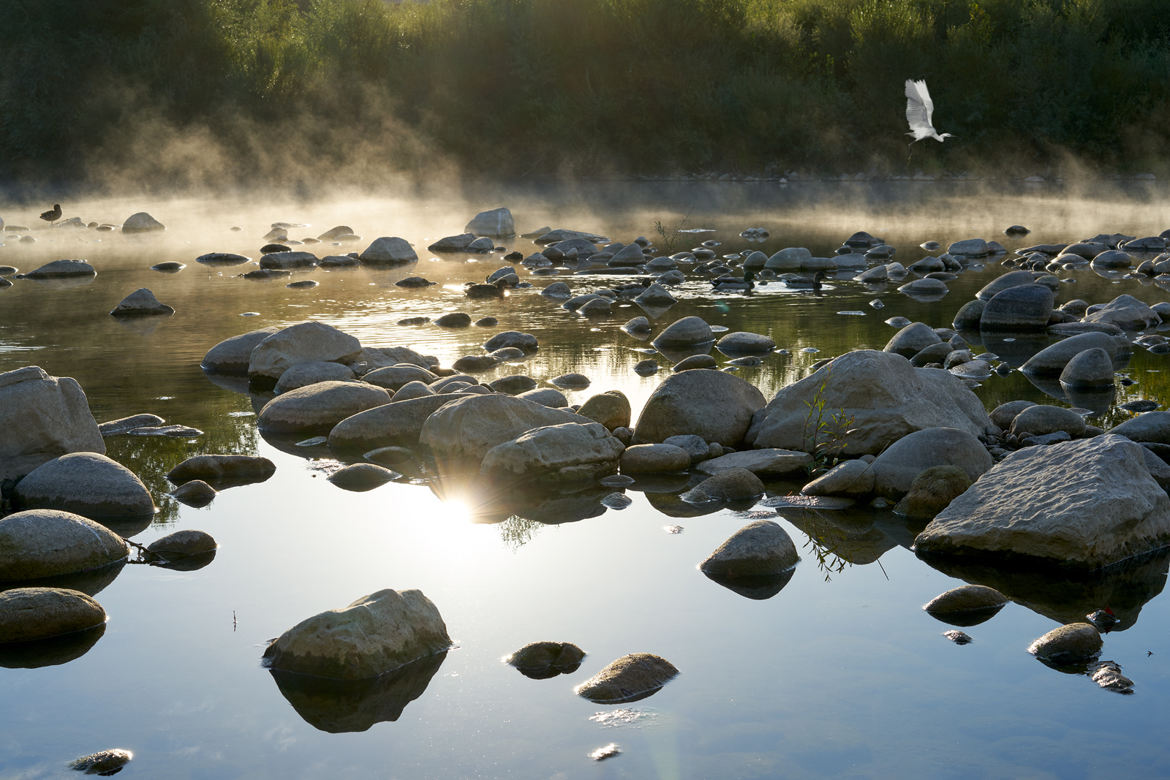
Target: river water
x=840 y=674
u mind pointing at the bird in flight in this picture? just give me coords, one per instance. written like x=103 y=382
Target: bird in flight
x=919 y=108
x=53 y=214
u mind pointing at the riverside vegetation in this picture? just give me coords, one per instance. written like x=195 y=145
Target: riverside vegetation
x=201 y=92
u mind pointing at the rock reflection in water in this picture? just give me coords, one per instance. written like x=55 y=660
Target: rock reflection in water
x=841 y=538
x=89 y=582
x=1066 y=596
x=341 y=706
x=50 y=652
x=758 y=588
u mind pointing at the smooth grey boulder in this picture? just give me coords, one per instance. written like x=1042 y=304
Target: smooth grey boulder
x=788 y=259
x=359 y=477
x=969 y=315
x=571 y=381
x=59 y=269
x=928 y=287
x=513 y=384
x=611 y=409
x=732 y=484
x=686 y=332
x=630 y=678
x=231 y=356
x=743 y=343
x=1003 y=414
x=1051 y=360
x=1022 y=308
x=373 y=358
x=39 y=543
x=713 y=404
x=759 y=549
x=42 y=417
x=1147 y=427
x=396 y=424
x=304 y=374
x=1112 y=259
x=141 y=303
x=1085 y=503
x=318 y=407
x=512 y=338
x=374 y=635
x=415 y=389
x=656 y=295
x=222 y=258
x=301 y=343
x=497 y=223
x=142 y=222
x=33 y=614
x=468 y=427
x=394 y=377
x=1126 y=312
x=87 y=484
x=126 y=424
x=654 y=459
x=1072 y=644
x=288 y=260
x=196 y=493
x=475 y=363
x=1003 y=282
x=1088 y=370
x=969 y=247
x=848 y=478
x=557 y=291
x=966 y=605
x=187 y=543
x=218 y=470
x=895 y=468
x=457 y=243
x=763 y=462
x=912 y=339
x=564 y=452
x=874 y=398
x=694 y=361
x=932 y=490
x=1043 y=419
x=546 y=396
x=542 y=660
x=596 y=307
x=388 y=250
x=935 y=353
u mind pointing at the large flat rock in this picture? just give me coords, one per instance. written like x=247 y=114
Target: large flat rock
x=1089 y=503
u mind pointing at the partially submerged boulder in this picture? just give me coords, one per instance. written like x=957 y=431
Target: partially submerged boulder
x=231 y=356
x=32 y=614
x=374 y=635
x=87 y=484
x=1085 y=503
x=897 y=467
x=966 y=605
x=398 y=423
x=221 y=470
x=141 y=303
x=40 y=543
x=1069 y=645
x=759 y=549
x=42 y=417
x=630 y=678
x=542 y=660
x=873 y=399
x=468 y=427
x=316 y=408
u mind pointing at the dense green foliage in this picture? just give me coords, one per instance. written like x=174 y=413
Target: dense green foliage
x=199 y=91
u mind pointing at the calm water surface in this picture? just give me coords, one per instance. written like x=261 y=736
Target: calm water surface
x=841 y=674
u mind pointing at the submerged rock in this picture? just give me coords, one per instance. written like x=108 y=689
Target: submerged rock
x=360 y=477
x=759 y=549
x=374 y=635
x=316 y=408
x=223 y=469
x=630 y=678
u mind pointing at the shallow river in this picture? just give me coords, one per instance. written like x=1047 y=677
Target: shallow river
x=840 y=674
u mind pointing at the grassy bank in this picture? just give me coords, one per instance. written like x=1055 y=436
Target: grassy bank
x=229 y=92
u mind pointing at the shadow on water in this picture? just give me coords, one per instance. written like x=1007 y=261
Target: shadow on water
x=1068 y=596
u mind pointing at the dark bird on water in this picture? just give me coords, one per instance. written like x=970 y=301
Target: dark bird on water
x=53 y=214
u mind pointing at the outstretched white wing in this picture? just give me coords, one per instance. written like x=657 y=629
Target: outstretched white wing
x=919 y=108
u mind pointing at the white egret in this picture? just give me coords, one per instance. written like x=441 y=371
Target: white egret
x=919 y=108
